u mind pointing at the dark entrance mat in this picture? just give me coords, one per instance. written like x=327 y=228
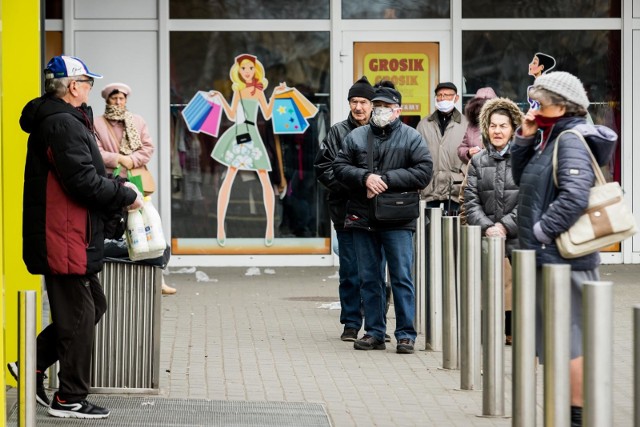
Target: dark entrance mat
x=160 y=412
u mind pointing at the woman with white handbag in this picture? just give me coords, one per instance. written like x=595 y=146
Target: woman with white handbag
x=548 y=209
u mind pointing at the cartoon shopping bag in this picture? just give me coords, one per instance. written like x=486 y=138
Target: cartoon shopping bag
x=287 y=118
x=203 y=114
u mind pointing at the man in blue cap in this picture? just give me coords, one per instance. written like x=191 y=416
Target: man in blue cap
x=68 y=199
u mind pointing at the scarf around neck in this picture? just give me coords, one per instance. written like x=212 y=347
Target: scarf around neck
x=130 y=137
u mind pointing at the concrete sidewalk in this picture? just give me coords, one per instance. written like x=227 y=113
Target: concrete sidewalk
x=266 y=338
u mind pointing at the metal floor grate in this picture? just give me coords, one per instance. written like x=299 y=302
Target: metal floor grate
x=160 y=412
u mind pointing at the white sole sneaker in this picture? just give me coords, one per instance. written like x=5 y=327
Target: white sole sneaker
x=14 y=370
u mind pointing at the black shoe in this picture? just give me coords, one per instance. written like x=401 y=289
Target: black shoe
x=405 y=346
x=349 y=334
x=576 y=416
x=387 y=338
x=82 y=409
x=41 y=394
x=368 y=342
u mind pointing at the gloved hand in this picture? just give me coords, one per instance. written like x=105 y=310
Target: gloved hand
x=139 y=202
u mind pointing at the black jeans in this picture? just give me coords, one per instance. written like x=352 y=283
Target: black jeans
x=77 y=303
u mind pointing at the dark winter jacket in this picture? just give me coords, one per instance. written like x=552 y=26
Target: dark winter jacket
x=555 y=209
x=338 y=194
x=491 y=195
x=66 y=193
x=401 y=157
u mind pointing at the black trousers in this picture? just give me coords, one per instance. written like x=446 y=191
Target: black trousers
x=77 y=303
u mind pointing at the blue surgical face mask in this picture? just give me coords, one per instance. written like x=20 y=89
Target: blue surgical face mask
x=382 y=116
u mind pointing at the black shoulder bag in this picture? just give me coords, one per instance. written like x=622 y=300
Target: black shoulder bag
x=243 y=137
x=392 y=206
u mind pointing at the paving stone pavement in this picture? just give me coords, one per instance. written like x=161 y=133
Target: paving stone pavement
x=266 y=338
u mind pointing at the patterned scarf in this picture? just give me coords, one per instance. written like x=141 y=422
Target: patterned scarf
x=131 y=137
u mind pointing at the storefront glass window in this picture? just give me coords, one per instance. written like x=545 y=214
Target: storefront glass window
x=541 y=9
x=395 y=9
x=248 y=9
x=201 y=61
x=500 y=59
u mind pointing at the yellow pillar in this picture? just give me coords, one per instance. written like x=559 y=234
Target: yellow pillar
x=20 y=77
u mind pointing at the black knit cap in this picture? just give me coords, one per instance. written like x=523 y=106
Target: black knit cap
x=362 y=89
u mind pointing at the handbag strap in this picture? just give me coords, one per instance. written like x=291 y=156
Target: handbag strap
x=594 y=164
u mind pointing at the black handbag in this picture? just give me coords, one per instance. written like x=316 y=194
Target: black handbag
x=243 y=138
x=393 y=206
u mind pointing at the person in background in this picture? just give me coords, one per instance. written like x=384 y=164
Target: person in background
x=491 y=195
x=546 y=210
x=123 y=138
x=443 y=131
x=360 y=107
x=67 y=199
x=401 y=162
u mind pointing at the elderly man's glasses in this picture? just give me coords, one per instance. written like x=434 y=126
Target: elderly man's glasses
x=445 y=95
x=90 y=81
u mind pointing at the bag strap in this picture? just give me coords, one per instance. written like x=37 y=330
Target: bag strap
x=594 y=164
x=370 y=149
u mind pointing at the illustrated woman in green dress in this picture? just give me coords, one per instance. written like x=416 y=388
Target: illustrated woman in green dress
x=241 y=147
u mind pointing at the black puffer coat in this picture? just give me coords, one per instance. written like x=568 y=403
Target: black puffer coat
x=400 y=156
x=338 y=194
x=557 y=208
x=491 y=195
x=66 y=193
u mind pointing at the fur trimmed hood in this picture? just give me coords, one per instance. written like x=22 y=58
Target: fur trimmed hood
x=492 y=105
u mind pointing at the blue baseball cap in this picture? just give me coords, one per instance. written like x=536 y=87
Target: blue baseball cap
x=67 y=66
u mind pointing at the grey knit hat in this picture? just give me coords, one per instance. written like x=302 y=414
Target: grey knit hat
x=566 y=85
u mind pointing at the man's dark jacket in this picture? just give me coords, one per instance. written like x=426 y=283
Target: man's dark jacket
x=556 y=209
x=66 y=193
x=400 y=156
x=338 y=194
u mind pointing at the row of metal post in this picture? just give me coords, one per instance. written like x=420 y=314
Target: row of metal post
x=452 y=320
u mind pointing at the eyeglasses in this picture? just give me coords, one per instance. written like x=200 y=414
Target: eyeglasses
x=445 y=96
x=90 y=81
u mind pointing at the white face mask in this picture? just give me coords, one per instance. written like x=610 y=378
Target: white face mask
x=444 y=106
x=382 y=116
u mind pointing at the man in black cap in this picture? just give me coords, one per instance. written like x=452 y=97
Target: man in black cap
x=400 y=163
x=359 y=98
x=444 y=130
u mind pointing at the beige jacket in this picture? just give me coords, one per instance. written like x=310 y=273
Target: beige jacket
x=444 y=152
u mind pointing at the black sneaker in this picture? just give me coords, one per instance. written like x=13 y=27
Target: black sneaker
x=82 y=409
x=387 y=338
x=368 y=342
x=405 y=346
x=41 y=394
x=576 y=416
x=349 y=334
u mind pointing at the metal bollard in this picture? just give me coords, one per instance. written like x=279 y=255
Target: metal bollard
x=450 y=233
x=492 y=326
x=524 y=338
x=636 y=365
x=27 y=358
x=434 y=280
x=420 y=269
x=556 y=281
x=470 y=279
x=597 y=305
